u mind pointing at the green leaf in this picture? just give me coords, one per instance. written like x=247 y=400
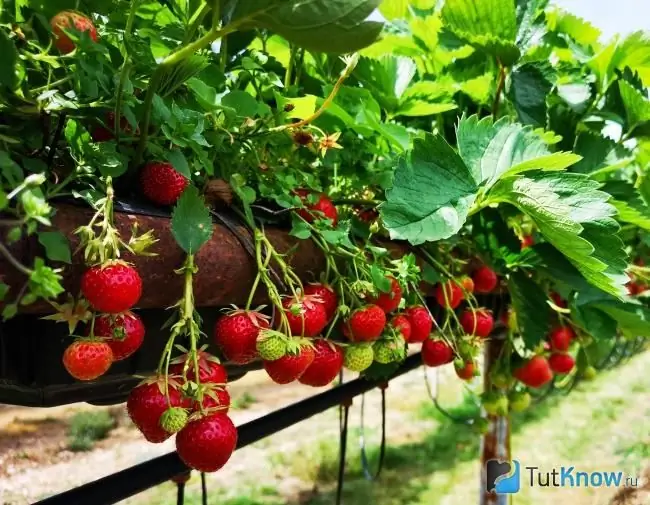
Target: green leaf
x=431 y=194
x=4 y=289
x=578 y=29
x=597 y=323
x=628 y=202
x=191 y=221
x=530 y=84
x=301 y=108
x=599 y=154
x=8 y=61
x=379 y=279
x=633 y=319
x=634 y=52
x=333 y=26
x=637 y=105
x=44 y=281
x=300 y=229
x=494 y=150
x=415 y=108
x=57 y=247
x=387 y=78
x=179 y=162
x=244 y=104
x=394 y=9
x=574 y=216
x=105 y=156
x=529 y=303
x=489 y=24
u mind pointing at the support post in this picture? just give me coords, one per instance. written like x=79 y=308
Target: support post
x=496 y=442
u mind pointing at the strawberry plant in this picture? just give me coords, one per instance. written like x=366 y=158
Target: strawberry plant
x=438 y=160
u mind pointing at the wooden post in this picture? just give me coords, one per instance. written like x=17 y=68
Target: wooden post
x=496 y=442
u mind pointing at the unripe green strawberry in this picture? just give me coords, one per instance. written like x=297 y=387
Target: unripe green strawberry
x=589 y=373
x=495 y=404
x=388 y=351
x=358 y=357
x=519 y=401
x=271 y=345
x=173 y=419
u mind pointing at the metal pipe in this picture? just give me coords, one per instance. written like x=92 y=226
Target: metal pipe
x=130 y=481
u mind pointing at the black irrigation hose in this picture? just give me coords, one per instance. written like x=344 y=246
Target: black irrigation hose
x=204 y=490
x=180 y=493
x=365 y=463
x=130 y=481
x=344 y=416
x=434 y=398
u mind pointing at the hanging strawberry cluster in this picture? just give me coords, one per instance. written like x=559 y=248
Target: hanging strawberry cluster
x=110 y=287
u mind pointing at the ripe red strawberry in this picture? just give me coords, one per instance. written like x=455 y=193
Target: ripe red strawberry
x=467 y=284
x=402 y=324
x=479 y=323
x=124 y=333
x=436 y=352
x=147 y=402
x=535 y=372
x=560 y=338
x=636 y=288
x=389 y=301
x=365 y=324
x=485 y=279
x=112 y=288
x=236 y=335
x=206 y=444
x=70 y=20
x=561 y=363
x=210 y=370
x=306 y=315
x=323 y=208
x=292 y=365
x=368 y=215
x=421 y=323
x=327 y=295
x=86 y=360
x=101 y=134
x=449 y=294
x=558 y=300
x=328 y=361
x=466 y=371
x=527 y=241
x=212 y=397
x=161 y=183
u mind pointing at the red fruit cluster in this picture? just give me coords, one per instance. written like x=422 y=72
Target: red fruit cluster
x=207 y=440
x=366 y=324
x=68 y=21
x=327 y=363
x=292 y=365
x=535 y=372
x=327 y=295
x=324 y=208
x=479 y=322
x=236 y=335
x=449 y=294
x=421 y=323
x=112 y=289
x=436 y=352
x=485 y=279
x=560 y=338
x=389 y=301
x=161 y=183
x=307 y=315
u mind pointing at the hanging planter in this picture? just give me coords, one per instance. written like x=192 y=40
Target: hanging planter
x=31 y=371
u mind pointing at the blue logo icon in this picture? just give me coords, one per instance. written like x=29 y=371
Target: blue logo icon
x=503 y=477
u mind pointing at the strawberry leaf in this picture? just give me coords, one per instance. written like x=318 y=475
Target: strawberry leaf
x=574 y=216
x=191 y=221
x=57 y=247
x=435 y=177
x=529 y=303
x=490 y=25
